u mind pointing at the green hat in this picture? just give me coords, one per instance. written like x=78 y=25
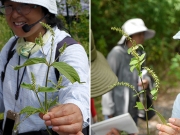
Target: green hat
x=101 y=74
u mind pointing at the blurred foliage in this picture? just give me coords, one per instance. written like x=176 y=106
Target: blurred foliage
x=78 y=27
x=161 y=16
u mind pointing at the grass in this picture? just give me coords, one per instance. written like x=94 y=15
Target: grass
x=1 y=116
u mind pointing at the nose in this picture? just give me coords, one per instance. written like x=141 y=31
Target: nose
x=16 y=12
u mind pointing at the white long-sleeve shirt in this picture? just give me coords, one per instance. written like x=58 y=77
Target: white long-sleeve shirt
x=75 y=93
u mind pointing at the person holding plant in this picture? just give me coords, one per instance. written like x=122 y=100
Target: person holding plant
x=173 y=127
x=71 y=115
x=119 y=59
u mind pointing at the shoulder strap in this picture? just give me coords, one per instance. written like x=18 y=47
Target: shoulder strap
x=9 y=56
x=69 y=41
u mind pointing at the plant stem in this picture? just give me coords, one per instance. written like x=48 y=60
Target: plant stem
x=48 y=130
x=145 y=105
x=39 y=99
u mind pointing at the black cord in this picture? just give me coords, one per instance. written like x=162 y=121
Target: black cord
x=18 y=85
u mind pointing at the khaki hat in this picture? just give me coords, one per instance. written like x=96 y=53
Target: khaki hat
x=48 y=4
x=101 y=74
x=134 y=26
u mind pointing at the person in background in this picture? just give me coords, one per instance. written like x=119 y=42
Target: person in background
x=173 y=127
x=72 y=114
x=123 y=97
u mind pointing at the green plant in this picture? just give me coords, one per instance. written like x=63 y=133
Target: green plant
x=136 y=63
x=65 y=69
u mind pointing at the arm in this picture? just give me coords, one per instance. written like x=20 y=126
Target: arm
x=107 y=104
x=73 y=113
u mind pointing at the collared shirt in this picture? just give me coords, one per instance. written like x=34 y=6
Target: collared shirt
x=75 y=93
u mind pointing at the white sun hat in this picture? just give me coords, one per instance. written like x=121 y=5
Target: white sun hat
x=49 y=4
x=177 y=35
x=134 y=26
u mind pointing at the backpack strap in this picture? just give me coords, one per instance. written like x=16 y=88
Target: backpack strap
x=69 y=41
x=9 y=56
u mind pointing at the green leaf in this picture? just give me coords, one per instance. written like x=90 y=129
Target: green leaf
x=142 y=91
x=163 y=120
x=52 y=103
x=31 y=61
x=140 y=46
x=139 y=105
x=142 y=57
x=154 y=92
x=142 y=62
x=133 y=62
x=27 y=86
x=46 y=89
x=129 y=50
x=132 y=68
x=68 y=71
x=29 y=110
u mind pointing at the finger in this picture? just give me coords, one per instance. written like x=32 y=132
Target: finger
x=175 y=121
x=65 y=120
x=165 y=128
x=162 y=133
x=109 y=133
x=175 y=127
x=114 y=131
x=41 y=115
x=59 y=111
x=71 y=129
x=79 y=133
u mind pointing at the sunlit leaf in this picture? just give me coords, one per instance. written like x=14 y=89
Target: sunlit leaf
x=142 y=57
x=129 y=50
x=31 y=61
x=133 y=62
x=154 y=92
x=139 y=105
x=46 y=89
x=68 y=71
x=132 y=68
x=29 y=110
x=27 y=86
x=163 y=120
x=142 y=91
x=52 y=103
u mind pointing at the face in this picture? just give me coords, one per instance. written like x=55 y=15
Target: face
x=138 y=37
x=16 y=20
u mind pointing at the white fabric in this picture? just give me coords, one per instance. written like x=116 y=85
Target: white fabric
x=49 y=4
x=134 y=26
x=107 y=104
x=177 y=35
x=76 y=93
x=176 y=108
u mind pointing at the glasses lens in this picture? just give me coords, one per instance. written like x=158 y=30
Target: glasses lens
x=25 y=9
x=6 y=10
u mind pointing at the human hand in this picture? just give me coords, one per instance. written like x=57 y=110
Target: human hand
x=113 y=132
x=65 y=119
x=145 y=83
x=173 y=128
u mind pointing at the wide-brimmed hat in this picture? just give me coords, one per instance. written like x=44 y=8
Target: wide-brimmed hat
x=134 y=26
x=101 y=74
x=48 y=4
x=177 y=35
